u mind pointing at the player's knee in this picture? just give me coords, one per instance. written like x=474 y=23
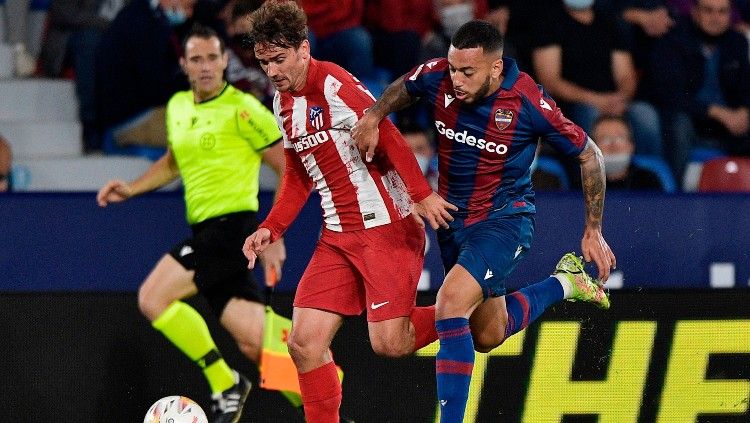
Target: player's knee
x=302 y=347
x=391 y=347
x=149 y=306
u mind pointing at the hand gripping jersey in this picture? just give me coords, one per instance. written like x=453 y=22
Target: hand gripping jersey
x=486 y=149
x=316 y=125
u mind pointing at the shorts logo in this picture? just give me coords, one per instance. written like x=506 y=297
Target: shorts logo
x=503 y=118
x=488 y=275
x=378 y=305
x=315 y=114
x=207 y=141
x=368 y=216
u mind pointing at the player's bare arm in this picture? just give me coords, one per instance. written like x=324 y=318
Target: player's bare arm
x=365 y=131
x=593 y=244
x=162 y=172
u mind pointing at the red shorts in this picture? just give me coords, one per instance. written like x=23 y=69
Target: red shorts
x=375 y=269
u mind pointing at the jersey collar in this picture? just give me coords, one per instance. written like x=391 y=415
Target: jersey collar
x=510 y=72
x=226 y=85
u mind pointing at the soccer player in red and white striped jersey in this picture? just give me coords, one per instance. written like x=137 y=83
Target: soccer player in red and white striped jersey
x=371 y=251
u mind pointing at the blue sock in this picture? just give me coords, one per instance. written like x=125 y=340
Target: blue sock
x=527 y=304
x=453 y=365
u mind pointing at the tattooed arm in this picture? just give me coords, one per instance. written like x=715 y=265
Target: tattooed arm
x=593 y=245
x=365 y=132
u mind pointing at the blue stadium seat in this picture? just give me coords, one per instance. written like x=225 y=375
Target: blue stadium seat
x=109 y=146
x=702 y=154
x=552 y=166
x=659 y=167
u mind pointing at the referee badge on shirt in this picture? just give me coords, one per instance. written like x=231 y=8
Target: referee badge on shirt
x=315 y=114
x=503 y=118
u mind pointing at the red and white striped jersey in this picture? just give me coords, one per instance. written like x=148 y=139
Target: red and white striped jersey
x=316 y=125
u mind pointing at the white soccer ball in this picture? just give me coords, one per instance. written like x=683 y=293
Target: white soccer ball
x=175 y=409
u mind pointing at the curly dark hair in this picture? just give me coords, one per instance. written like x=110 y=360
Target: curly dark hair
x=279 y=23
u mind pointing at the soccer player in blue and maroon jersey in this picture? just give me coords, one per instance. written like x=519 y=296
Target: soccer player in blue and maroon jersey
x=489 y=117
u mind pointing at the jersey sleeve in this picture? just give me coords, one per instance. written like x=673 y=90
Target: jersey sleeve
x=293 y=193
x=553 y=127
x=422 y=78
x=257 y=123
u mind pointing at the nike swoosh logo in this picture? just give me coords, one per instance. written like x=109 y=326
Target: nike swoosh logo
x=378 y=305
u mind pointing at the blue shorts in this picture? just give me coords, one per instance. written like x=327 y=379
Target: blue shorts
x=489 y=249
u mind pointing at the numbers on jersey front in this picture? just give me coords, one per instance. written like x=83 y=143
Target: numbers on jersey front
x=310 y=141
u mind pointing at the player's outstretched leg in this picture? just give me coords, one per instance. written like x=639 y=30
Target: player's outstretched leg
x=583 y=287
x=569 y=281
x=186 y=329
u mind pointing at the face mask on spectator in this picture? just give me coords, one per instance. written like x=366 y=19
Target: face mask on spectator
x=175 y=16
x=452 y=17
x=615 y=164
x=578 y=4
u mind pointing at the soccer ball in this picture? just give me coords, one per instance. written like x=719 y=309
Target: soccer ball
x=175 y=409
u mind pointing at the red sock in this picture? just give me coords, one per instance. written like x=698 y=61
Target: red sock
x=423 y=319
x=321 y=394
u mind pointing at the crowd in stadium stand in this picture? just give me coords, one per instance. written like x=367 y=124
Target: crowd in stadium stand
x=674 y=75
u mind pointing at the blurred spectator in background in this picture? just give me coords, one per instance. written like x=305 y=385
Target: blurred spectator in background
x=73 y=31
x=420 y=140
x=517 y=21
x=16 y=16
x=701 y=80
x=583 y=61
x=648 y=20
x=613 y=136
x=6 y=159
x=398 y=29
x=137 y=70
x=338 y=35
x=243 y=70
x=451 y=14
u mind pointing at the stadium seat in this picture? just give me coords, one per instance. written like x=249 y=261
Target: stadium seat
x=3 y=29
x=552 y=166
x=702 y=154
x=725 y=174
x=37 y=139
x=659 y=167
x=38 y=99
x=74 y=174
x=6 y=57
x=109 y=146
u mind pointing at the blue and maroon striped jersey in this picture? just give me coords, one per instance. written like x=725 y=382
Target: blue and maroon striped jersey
x=485 y=149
